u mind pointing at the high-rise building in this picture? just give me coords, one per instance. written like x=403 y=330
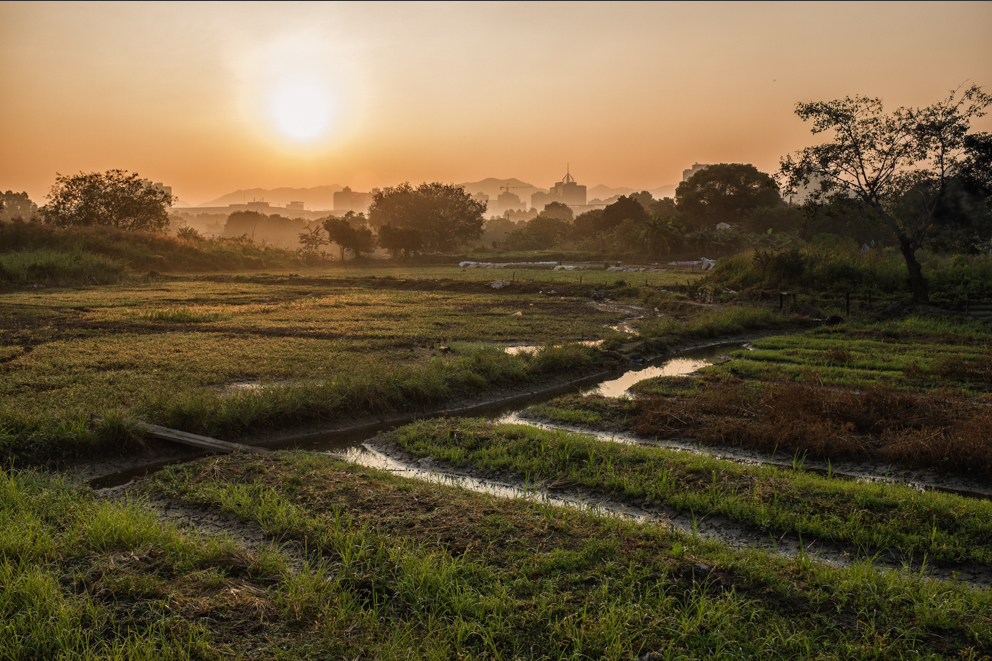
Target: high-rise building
x=566 y=191
x=509 y=201
x=696 y=167
x=158 y=186
x=349 y=200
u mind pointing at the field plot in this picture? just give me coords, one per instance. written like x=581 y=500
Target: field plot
x=222 y=356
x=320 y=559
x=299 y=555
x=911 y=354
x=910 y=394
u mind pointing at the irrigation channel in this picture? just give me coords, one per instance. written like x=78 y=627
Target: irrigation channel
x=361 y=445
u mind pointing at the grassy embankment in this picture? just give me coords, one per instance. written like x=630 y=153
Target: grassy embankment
x=866 y=517
x=825 y=274
x=379 y=566
x=34 y=253
x=900 y=392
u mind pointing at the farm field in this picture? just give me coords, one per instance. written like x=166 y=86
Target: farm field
x=603 y=549
x=909 y=393
x=310 y=557
x=234 y=354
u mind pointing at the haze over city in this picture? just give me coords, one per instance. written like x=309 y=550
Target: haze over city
x=212 y=98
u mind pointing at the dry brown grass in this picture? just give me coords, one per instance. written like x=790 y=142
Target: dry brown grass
x=936 y=430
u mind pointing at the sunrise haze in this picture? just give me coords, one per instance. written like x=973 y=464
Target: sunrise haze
x=212 y=98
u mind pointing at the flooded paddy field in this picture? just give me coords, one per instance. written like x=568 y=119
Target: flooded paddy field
x=430 y=495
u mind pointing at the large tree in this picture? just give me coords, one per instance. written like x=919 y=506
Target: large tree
x=113 y=198
x=445 y=215
x=887 y=160
x=724 y=193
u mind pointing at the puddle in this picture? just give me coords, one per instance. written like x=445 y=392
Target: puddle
x=686 y=363
x=512 y=410
x=235 y=387
x=534 y=348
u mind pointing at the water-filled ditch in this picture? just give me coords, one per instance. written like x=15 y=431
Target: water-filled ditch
x=351 y=442
x=357 y=445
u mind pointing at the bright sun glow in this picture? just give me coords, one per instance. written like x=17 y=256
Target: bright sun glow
x=301 y=109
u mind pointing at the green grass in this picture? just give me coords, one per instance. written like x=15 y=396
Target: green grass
x=874 y=517
x=916 y=353
x=82 y=579
x=403 y=569
x=169 y=352
x=715 y=323
x=140 y=251
x=60 y=267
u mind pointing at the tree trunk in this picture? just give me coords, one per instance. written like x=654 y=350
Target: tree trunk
x=916 y=279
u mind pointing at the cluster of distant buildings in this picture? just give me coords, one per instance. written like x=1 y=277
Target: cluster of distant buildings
x=345 y=200
x=567 y=191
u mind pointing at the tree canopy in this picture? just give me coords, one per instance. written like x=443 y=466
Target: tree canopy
x=445 y=215
x=724 y=193
x=16 y=205
x=558 y=210
x=897 y=164
x=113 y=198
x=398 y=240
x=355 y=239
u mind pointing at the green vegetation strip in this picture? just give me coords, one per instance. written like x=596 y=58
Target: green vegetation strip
x=870 y=517
x=402 y=569
x=83 y=579
x=917 y=353
x=220 y=358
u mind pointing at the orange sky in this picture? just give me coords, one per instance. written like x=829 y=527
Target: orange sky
x=206 y=97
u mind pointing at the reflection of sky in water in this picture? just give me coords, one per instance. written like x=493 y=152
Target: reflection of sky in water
x=533 y=492
x=687 y=363
x=674 y=367
x=534 y=348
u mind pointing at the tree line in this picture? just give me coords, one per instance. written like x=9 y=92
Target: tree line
x=915 y=177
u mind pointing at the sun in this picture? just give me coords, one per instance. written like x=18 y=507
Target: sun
x=302 y=109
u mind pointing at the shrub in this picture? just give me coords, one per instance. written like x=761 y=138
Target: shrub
x=61 y=267
x=146 y=250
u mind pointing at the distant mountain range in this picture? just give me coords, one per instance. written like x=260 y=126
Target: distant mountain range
x=322 y=197
x=314 y=199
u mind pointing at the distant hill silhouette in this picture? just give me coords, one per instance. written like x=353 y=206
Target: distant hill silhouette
x=667 y=190
x=491 y=187
x=315 y=199
x=602 y=192
x=322 y=197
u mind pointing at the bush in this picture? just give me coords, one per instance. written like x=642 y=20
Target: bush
x=61 y=267
x=146 y=250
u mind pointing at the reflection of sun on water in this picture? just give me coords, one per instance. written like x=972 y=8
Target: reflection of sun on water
x=301 y=109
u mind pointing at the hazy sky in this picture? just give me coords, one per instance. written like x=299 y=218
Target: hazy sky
x=214 y=97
